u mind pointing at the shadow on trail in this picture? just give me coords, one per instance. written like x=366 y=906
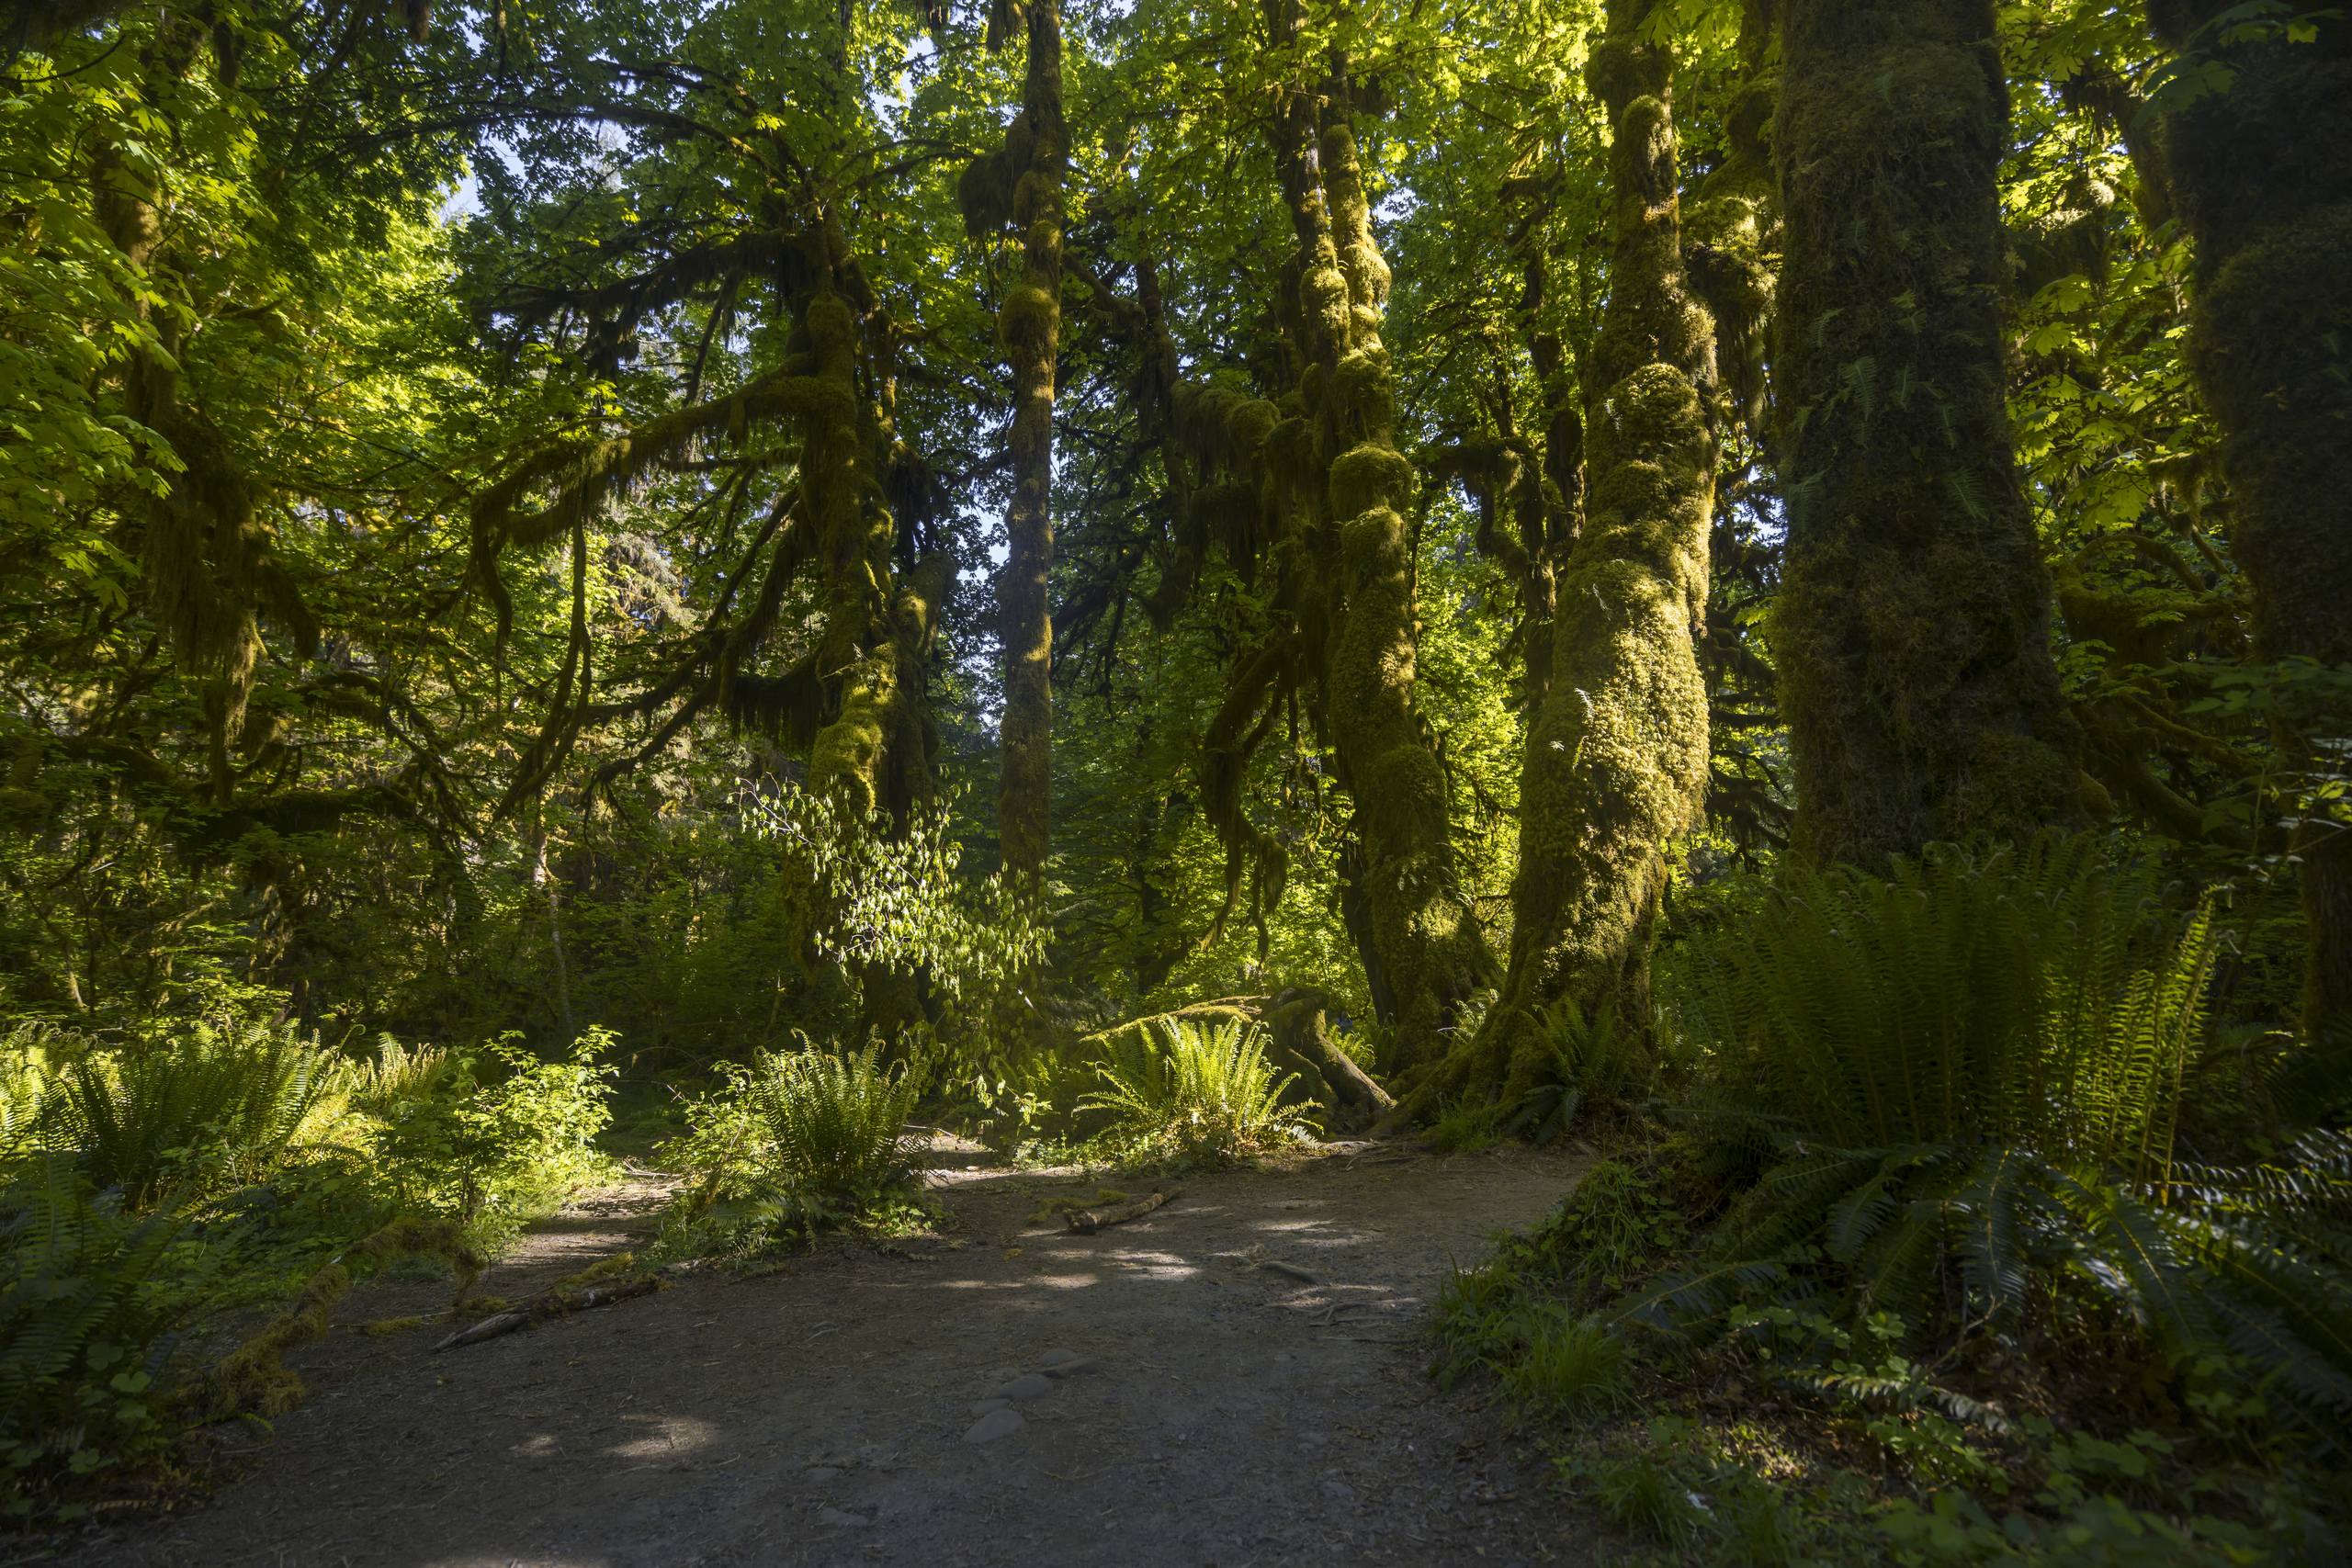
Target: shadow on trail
x=1246 y=1388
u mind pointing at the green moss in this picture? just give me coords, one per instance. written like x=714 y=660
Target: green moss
x=2261 y=173
x=1617 y=753
x=1323 y=301
x=1368 y=477
x=1028 y=321
x=1912 y=622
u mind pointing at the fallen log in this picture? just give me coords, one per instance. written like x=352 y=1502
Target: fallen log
x=1086 y=1222
x=558 y=1302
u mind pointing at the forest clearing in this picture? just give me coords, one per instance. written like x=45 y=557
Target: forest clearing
x=1186 y=782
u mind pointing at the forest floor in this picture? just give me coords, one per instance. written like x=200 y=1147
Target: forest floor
x=1248 y=1388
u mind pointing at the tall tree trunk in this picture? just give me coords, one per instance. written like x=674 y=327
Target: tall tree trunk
x=1616 y=763
x=2262 y=174
x=1423 y=941
x=1029 y=327
x=1913 y=627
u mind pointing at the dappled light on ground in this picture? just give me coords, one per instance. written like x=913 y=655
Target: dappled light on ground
x=1204 y=1402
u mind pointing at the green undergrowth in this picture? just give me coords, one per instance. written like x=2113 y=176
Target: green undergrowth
x=154 y=1184
x=795 y=1145
x=1177 y=1093
x=1204 y=1094
x=1953 y=1252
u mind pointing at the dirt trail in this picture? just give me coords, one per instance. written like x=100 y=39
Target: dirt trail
x=1231 y=1412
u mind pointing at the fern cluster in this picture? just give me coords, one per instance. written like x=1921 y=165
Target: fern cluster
x=1207 y=1093
x=211 y=1106
x=92 y=1300
x=794 y=1143
x=1962 y=1084
x=1600 y=1068
x=835 y=1125
x=146 y=1184
x=2023 y=995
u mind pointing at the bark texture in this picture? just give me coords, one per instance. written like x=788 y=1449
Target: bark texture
x=1616 y=763
x=1913 y=627
x=2262 y=174
x=1030 y=327
x=1430 y=955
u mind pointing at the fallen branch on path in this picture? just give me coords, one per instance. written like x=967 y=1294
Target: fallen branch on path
x=556 y=1303
x=1086 y=1222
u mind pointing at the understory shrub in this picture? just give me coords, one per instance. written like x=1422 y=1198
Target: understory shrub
x=795 y=1142
x=93 y=1300
x=1939 y=1223
x=1207 y=1093
x=492 y=1139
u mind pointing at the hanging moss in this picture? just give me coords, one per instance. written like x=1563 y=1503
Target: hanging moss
x=1227 y=511
x=1254 y=858
x=1912 y=623
x=1027 y=323
x=984 y=195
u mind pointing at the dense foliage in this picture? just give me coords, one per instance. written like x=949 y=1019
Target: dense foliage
x=1758 y=582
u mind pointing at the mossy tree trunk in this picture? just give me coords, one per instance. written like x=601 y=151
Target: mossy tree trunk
x=2262 y=176
x=871 y=748
x=1029 y=326
x=1353 y=581
x=1912 y=623
x=1616 y=763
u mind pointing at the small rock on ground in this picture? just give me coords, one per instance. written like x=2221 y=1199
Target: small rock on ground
x=1002 y=1423
x=1028 y=1386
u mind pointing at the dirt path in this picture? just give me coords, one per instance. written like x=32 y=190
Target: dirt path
x=1226 y=1412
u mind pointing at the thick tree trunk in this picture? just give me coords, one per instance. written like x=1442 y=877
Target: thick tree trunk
x=870 y=755
x=1616 y=763
x=1429 y=953
x=2262 y=174
x=1912 y=626
x=1030 y=327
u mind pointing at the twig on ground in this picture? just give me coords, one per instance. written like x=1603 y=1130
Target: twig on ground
x=557 y=1303
x=1086 y=1222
